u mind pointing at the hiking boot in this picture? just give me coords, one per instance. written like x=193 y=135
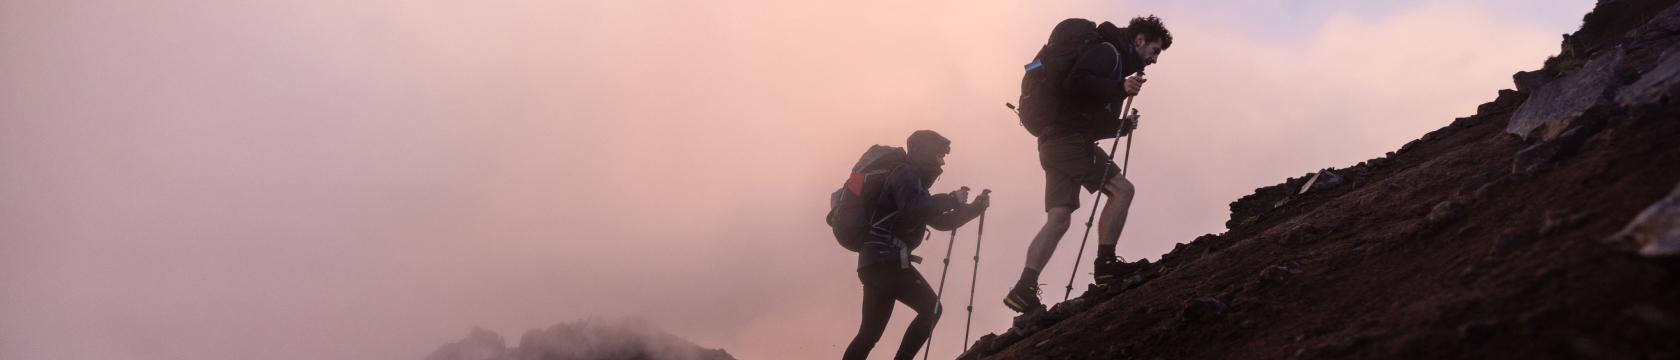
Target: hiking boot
x=1110 y=270
x=1023 y=297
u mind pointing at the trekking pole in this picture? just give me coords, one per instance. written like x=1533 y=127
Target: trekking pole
x=928 y=348
x=1081 y=254
x=1125 y=167
x=978 y=234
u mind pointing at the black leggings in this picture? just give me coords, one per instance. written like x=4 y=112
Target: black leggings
x=884 y=283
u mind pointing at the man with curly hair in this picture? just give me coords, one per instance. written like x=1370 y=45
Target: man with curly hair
x=1100 y=80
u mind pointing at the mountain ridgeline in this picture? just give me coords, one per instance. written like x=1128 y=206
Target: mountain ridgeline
x=1545 y=225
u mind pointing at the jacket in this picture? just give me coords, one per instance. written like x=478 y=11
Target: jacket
x=1095 y=89
x=906 y=209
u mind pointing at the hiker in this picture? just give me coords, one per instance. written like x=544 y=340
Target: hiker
x=905 y=209
x=1098 y=80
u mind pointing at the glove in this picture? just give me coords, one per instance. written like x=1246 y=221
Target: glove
x=984 y=200
x=1128 y=123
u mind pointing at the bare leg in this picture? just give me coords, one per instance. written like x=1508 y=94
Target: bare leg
x=1044 y=245
x=1120 y=192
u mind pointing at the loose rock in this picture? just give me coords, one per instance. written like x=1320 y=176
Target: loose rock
x=1201 y=310
x=1445 y=212
x=1657 y=84
x=1657 y=229
x=1539 y=157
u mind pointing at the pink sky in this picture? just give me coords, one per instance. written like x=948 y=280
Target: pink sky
x=332 y=180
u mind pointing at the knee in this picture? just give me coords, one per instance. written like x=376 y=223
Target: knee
x=934 y=313
x=1060 y=216
x=1119 y=187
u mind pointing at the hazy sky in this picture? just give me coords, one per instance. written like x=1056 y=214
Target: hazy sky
x=369 y=180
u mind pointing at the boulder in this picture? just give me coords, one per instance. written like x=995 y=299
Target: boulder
x=1554 y=107
x=1539 y=157
x=1202 y=310
x=1657 y=84
x=1527 y=81
x=1657 y=229
x=1664 y=23
x=1320 y=181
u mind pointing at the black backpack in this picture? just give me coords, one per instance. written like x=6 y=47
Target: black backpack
x=851 y=208
x=1041 y=88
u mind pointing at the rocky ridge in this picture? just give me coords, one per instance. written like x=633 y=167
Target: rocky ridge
x=1546 y=225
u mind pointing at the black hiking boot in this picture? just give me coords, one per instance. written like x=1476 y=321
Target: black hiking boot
x=1023 y=298
x=1110 y=270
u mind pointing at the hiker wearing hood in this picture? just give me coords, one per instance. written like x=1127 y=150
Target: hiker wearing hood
x=1092 y=93
x=884 y=262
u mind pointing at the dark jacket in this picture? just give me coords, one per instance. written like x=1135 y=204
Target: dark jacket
x=1095 y=88
x=912 y=209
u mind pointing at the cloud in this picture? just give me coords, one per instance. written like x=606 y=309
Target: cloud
x=590 y=339
x=196 y=180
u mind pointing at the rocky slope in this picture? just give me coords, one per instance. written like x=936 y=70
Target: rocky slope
x=1547 y=225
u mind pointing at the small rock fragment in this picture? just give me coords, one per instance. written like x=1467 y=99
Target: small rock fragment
x=1539 y=157
x=1657 y=229
x=1326 y=180
x=1560 y=220
x=1278 y=273
x=1472 y=183
x=1445 y=212
x=1201 y=310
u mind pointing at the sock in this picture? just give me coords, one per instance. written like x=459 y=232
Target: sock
x=1105 y=251
x=1029 y=276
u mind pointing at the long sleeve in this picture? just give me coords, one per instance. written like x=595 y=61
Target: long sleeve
x=954 y=218
x=913 y=200
x=1092 y=79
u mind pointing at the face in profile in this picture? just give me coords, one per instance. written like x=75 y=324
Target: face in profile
x=1148 y=50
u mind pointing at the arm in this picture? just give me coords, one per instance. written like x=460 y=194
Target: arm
x=954 y=218
x=962 y=214
x=912 y=200
x=1091 y=79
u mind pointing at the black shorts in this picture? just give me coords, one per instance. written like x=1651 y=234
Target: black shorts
x=1071 y=161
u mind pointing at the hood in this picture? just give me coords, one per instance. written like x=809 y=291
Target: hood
x=1130 y=62
x=925 y=146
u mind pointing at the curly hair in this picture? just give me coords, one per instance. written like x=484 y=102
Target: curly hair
x=1152 y=30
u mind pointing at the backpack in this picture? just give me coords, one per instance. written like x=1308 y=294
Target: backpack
x=1041 y=87
x=852 y=207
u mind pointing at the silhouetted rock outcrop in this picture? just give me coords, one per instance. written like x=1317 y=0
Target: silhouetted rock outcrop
x=592 y=339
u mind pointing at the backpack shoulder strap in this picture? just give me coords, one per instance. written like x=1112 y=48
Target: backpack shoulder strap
x=1117 y=58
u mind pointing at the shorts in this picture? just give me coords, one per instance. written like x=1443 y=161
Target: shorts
x=1070 y=161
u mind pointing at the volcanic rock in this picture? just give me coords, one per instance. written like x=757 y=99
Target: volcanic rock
x=1201 y=310
x=1554 y=107
x=1657 y=84
x=1657 y=229
x=1527 y=81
